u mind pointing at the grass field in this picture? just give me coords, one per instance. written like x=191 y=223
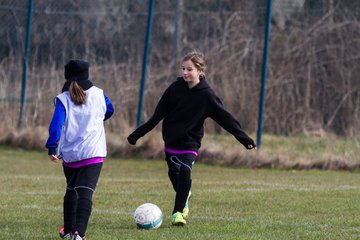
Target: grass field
x=226 y=203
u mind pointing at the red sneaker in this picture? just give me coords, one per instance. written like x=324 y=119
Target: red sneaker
x=61 y=231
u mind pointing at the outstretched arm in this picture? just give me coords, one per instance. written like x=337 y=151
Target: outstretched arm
x=159 y=113
x=229 y=123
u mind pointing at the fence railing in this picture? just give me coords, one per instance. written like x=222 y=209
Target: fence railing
x=312 y=70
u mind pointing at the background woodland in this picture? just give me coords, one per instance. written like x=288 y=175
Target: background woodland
x=313 y=82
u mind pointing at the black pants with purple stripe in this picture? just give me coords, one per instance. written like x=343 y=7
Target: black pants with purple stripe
x=81 y=183
x=179 y=171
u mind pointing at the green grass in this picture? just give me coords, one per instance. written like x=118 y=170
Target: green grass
x=226 y=203
x=291 y=150
x=308 y=148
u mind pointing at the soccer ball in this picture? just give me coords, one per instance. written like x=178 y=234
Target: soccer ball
x=148 y=216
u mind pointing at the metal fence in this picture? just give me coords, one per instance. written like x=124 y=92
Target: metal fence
x=110 y=34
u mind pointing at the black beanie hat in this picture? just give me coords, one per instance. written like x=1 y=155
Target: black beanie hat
x=77 y=70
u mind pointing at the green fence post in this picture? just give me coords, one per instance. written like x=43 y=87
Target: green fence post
x=145 y=62
x=25 y=63
x=264 y=74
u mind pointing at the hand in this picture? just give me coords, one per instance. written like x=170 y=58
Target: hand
x=54 y=158
x=251 y=146
x=132 y=139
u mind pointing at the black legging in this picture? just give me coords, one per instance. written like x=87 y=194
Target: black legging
x=77 y=209
x=81 y=184
x=179 y=171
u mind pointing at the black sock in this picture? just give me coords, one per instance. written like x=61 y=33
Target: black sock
x=83 y=210
x=183 y=188
x=69 y=205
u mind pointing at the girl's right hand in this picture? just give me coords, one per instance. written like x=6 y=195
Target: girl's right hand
x=54 y=158
x=132 y=139
x=251 y=146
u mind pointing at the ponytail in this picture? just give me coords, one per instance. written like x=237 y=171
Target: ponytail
x=77 y=94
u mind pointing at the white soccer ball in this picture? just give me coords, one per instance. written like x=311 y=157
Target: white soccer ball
x=148 y=216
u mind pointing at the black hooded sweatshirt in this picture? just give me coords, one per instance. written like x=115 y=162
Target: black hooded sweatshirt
x=183 y=111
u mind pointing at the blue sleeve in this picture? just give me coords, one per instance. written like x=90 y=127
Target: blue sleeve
x=109 y=108
x=57 y=121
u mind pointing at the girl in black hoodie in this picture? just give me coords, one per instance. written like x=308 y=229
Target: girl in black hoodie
x=183 y=107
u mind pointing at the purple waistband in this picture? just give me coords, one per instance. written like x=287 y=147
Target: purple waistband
x=174 y=151
x=84 y=162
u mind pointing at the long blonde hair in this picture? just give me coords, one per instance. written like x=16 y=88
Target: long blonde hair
x=77 y=94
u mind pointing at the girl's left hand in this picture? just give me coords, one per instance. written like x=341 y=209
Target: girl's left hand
x=251 y=146
x=54 y=158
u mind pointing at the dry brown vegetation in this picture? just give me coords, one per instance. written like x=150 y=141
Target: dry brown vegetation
x=289 y=153
x=312 y=88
